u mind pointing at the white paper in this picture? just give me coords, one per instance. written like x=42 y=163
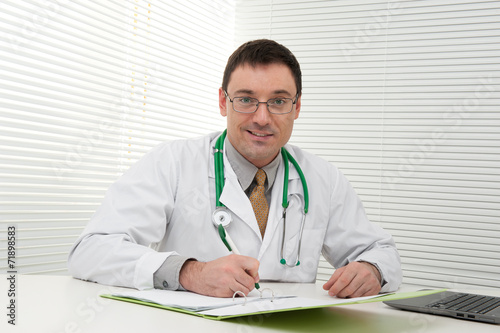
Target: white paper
x=192 y=301
x=281 y=304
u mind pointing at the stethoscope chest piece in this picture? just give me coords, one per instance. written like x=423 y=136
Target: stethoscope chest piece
x=221 y=216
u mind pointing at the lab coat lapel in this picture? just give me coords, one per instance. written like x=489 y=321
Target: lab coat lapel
x=236 y=200
x=211 y=169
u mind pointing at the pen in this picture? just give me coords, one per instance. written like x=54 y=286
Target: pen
x=230 y=245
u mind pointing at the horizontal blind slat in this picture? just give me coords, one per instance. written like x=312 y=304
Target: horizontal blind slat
x=85 y=93
x=403 y=97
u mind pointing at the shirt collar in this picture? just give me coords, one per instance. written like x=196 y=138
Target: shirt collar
x=245 y=171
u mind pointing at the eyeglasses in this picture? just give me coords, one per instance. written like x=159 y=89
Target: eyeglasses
x=274 y=105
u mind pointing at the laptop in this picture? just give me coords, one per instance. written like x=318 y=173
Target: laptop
x=454 y=304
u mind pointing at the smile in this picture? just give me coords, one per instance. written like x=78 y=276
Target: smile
x=259 y=134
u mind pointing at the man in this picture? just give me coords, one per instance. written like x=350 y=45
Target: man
x=154 y=228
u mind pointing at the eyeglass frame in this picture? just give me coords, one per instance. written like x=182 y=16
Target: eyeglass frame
x=266 y=102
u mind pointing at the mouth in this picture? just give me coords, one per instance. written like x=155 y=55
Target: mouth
x=259 y=135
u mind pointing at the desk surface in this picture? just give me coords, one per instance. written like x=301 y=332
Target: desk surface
x=57 y=304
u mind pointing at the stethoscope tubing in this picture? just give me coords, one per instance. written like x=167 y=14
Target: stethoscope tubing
x=287 y=157
x=219 y=186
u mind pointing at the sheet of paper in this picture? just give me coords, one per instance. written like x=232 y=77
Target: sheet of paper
x=281 y=304
x=191 y=301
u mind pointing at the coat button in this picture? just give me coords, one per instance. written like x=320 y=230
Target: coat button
x=165 y=284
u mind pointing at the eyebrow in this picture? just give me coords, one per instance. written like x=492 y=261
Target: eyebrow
x=251 y=92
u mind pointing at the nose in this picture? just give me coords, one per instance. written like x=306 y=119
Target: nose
x=262 y=115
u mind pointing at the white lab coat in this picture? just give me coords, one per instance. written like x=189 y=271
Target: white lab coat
x=163 y=206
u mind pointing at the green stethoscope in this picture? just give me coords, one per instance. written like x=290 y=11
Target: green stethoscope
x=221 y=216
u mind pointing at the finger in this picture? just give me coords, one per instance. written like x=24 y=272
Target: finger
x=363 y=283
x=245 y=282
x=257 y=278
x=250 y=265
x=369 y=286
x=349 y=289
x=365 y=288
x=336 y=274
x=248 y=273
x=370 y=277
x=231 y=285
x=343 y=281
x=239 y=289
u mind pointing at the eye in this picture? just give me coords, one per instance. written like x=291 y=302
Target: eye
x=278 y=101
x=245 y=100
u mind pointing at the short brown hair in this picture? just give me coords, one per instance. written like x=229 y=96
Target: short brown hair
x=263 y=52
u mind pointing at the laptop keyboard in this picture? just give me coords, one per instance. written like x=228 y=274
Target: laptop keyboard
x=469 y=303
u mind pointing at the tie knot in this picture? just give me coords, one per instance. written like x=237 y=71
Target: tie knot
x=260 y=177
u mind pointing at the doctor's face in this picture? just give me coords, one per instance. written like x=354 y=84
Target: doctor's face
x=259 y=136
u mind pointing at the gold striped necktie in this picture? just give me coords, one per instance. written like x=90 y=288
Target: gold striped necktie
x=259 y=202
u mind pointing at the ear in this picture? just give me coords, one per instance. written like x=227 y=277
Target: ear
x=298 y=104
x=222 y=103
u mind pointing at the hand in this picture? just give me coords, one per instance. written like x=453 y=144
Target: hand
x=221 y=277
x=356 y=279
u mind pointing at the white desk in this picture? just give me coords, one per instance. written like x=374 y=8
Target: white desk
x=57 y=304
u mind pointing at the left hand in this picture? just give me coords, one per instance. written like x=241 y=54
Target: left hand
x=356 y=279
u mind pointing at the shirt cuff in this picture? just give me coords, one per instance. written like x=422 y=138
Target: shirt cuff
x=167 y=276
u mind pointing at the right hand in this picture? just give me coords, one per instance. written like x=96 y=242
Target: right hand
x=221 y=277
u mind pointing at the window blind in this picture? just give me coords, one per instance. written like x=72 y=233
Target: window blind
x=404 y=97
x=86 y=88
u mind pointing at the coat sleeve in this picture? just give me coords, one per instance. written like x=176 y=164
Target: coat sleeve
x=351 y=236
x=115 y=247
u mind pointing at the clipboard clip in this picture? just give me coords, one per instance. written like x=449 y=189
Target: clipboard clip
x=261 y=291
x=238 y=293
